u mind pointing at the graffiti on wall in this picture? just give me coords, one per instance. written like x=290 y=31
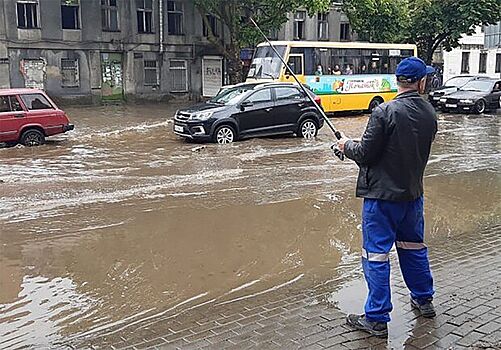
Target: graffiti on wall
x=111 y=76
x=33 y=71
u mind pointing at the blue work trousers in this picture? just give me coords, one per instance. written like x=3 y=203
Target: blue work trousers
x=385 y=223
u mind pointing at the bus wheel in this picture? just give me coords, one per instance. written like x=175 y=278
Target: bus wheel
x=376 y=101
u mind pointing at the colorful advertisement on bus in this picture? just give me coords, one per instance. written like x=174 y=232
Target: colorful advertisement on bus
x=352 y=84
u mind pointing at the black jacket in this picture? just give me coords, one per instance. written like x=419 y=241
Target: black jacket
x=394 y=149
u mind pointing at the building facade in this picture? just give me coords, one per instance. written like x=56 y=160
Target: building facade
x=473 y=57
x=493 y=43
x=95 y=50
x=329 y=26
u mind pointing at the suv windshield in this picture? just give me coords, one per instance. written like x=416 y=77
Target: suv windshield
x=266 y=64
x=457 y=81
x=478 y=85
x=231 y=96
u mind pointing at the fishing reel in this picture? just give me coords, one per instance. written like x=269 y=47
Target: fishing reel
x=337 y=152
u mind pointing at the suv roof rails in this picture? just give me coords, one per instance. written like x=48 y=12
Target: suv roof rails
x=273 y=83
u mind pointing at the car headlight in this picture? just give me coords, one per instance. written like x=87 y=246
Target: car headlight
x=431 y=93
x=466 y=101
x=443 y=99
x=202 y=116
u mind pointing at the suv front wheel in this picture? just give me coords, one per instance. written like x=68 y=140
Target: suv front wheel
x=32 y=137
x=224 y=134
x=308 y=129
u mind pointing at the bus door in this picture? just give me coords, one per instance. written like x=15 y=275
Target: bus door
x=296 y=64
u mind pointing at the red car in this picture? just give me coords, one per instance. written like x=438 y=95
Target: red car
x=28 y=116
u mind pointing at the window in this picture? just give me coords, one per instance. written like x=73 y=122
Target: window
x=36 y=101
x=27 y=14
x=296 y=64
x=69 y=73
x=174 y=17
x=344 y=32
x=465 y=62
x=288 y=93
x=482 y=64
x=213 y=22
x=150 y=73
x=144 y=16
x=299 y=27
x=9 y=104
x=323 y=26
x=260 y=96
x=179 y=75
x=4 y=104
x=109 y=15
x=498 y=63
x=70 y=17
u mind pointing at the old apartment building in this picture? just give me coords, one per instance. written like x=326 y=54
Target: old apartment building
x=93 y=50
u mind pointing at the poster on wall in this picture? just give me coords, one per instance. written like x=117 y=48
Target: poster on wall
x=352 y=84
x=212 y=75
x=33 y=71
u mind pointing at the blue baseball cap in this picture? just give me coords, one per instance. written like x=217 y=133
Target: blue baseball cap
x=412 y=69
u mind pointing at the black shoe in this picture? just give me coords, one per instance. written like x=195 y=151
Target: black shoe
x=379 y=329
x=426 y=309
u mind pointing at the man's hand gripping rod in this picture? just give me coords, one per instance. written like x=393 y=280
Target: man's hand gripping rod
x=336 y=150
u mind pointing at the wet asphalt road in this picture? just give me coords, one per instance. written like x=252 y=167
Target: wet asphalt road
x=120 y=220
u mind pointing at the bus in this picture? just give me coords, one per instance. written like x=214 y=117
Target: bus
x=347 y=76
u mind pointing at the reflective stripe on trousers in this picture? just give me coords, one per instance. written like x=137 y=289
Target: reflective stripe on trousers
x=375 y=256
x=410 y=245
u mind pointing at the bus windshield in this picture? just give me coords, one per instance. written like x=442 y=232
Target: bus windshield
x=266 y=64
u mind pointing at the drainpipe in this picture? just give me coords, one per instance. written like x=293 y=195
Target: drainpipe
x=161 y=31
x=161 y=35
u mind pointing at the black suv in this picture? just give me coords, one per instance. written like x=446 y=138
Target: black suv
x=251 y=109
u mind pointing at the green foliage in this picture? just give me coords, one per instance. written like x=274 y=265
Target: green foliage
x=443 y=22
x=378 y=20
x=240 y=33
x=428 y=23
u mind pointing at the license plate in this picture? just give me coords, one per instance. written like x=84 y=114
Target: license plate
x=178 y=128
x=451 y=106
x=436 y=98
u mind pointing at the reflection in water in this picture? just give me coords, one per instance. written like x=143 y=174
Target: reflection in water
x=42 y=307
x=121 y=224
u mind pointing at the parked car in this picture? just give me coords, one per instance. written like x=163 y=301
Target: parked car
x=248 y=110
x=476 y=96
x=28 y=116
x=450 y=86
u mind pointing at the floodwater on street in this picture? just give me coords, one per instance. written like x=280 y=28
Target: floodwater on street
x=121 y=223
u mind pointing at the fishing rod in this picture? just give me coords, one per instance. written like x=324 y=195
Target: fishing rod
x=336 y=132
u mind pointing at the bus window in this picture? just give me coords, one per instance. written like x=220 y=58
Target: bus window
x=374 y=67
x=296 y=64
x=394 y=61
x=406 y=53
x=385 y=65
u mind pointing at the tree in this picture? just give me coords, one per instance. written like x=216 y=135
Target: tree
x=443 y=22
x=240 y=33
x=381 y=21
x=427 y=23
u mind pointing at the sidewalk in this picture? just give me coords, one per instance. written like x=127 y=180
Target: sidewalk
x=467 y=272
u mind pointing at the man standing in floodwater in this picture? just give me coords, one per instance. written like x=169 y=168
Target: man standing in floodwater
x=392 y=156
